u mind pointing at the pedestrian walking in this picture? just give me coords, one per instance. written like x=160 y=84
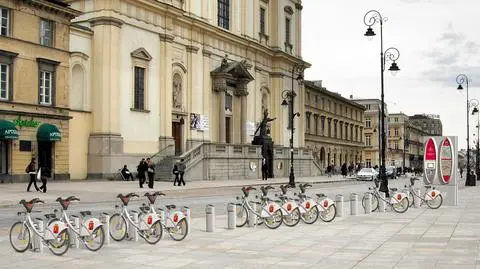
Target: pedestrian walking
x=31 y=170
x=150 y=172
x=461 y=172
x=264 y=169
x=350 y=169
x=181 y=171
x=329 y=171
x=175 y=172
x=43 y=174
x=344 y=169
x=141 y=169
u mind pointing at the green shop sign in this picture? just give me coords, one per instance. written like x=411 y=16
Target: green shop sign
x=26 y=123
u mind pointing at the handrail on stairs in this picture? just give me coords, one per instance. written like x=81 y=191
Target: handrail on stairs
x=161 y=154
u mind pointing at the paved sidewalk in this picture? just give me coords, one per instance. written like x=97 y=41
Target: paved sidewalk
x=448 y=237
x=106 y=191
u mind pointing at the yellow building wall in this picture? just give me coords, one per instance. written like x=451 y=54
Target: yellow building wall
x=80 y=126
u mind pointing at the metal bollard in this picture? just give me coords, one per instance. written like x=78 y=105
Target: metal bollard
x=210 y=212
x=105 y=218
x=339 y=205
x=368 y=203
x=186 y=212
x=74 y=237
x=381 y=203
x=232 y=217
x=37 y=241
x=252 y=218
x=416 y=198
x=354 y=204
x=132 y=232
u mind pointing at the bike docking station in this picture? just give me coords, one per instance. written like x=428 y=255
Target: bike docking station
x=354 y=204
x=440 y=166
x=339 y=205
x=210 y=218
x=37 y=245
x=231 y=216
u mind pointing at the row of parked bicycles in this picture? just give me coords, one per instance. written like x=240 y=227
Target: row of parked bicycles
x=149 y=223
x=283 y=208
x=400 y=201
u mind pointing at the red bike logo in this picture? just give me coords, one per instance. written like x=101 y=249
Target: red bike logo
x=289 y=207
x=149 y=220
x=307 y=205
x=90 y=225
x=325 y=203
x=271 y=208
x=433 y=194
x=175 y=218
x=55 y=229
x=399 y=197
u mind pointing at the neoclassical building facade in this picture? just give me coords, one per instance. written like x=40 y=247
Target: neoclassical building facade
x=333 y=126
x=159 y=78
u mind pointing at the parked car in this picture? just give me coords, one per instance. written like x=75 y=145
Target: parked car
x=367 y=174
x=391 y=172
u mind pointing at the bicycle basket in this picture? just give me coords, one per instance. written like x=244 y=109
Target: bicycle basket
x=65 y=204
x=125 y=200
x=245 y=192
x=152 y=198
x=28 y=207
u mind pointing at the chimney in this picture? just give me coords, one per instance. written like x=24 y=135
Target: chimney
x=351 y=96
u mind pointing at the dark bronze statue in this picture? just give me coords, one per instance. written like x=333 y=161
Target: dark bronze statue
x=263 y=125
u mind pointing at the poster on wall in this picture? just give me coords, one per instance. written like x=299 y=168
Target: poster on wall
x=198 y=122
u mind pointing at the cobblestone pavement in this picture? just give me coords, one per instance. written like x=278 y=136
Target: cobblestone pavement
x=420 y=238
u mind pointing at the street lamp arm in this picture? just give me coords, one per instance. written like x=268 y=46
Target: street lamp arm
x=462 y=78
x=372 y=17
x=390 y=55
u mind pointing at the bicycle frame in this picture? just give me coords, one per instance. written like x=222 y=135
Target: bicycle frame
x=429 y=195
x=50 y=232
x=245 y=203
x=86 y=227
x=168 y=222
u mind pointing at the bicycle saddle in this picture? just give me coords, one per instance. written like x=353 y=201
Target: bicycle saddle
x=320 y=195
x=85 y=213
x=50 y=216
x=393 y=189
x=427 y=186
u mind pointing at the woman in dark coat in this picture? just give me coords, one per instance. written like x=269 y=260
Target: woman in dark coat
x=150 y=172
x=344 y=169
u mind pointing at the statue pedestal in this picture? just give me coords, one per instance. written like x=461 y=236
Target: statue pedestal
x=267 y=151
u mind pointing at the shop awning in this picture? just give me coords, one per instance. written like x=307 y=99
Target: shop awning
x=8 y=130
x=48 y=132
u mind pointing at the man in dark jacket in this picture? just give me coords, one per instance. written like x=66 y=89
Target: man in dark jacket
x=141 y=169
x=181 y=171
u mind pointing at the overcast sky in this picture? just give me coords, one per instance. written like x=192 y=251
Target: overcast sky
x=437 y=40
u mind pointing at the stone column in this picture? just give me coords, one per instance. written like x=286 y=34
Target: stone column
x=221 y=117
x=165 y=99
x=105 y=139
x=242 y=93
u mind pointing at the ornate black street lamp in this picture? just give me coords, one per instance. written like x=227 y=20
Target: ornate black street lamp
x=391 y=54
x=463 y=79
x=289 y=100
x=475 y=103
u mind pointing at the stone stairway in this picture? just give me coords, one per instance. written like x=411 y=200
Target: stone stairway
x=163 y=169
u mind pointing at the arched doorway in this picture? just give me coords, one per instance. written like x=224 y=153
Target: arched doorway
x=322 y=157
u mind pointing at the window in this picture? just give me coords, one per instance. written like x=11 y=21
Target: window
x=307 y=98
x=368 y=163
x=224 y=14
x=396 y=119
x=315 y=118
x=389 y=133
x=323 y=125
x=346 y=131
x=307 y=118
x=287 y=31
x=368 y=140
x=335 y=108
x=368 y=122
x=396 y=131
x=341 y=130
x=395 y=145
x=316 y=101
x=139 y=88
x=329 y=106
x=4 y=21
x=351 y=132
x=335 y=129
x=368 y=107
x=262 y=20
x=4 y=81
x=46 y=32
x=356 y=133
x=46 y=87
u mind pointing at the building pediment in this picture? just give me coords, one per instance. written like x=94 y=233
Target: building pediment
x=231 y=74
x=142 y=54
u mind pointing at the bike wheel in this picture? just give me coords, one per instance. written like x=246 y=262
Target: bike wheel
x=401 y=206
x=373 y=199
x=153 y=234
x=310 y=216
x=410 y=199
x=60 y=244
x=293 y=218
x=118 y=227
x=95 y=240
x=19 y=237
x=180 y=231
x=274 y=221
x=329 y=214
x=242 y=215
x=436 y=202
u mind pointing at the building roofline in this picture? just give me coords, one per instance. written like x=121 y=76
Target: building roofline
x=310 y=84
